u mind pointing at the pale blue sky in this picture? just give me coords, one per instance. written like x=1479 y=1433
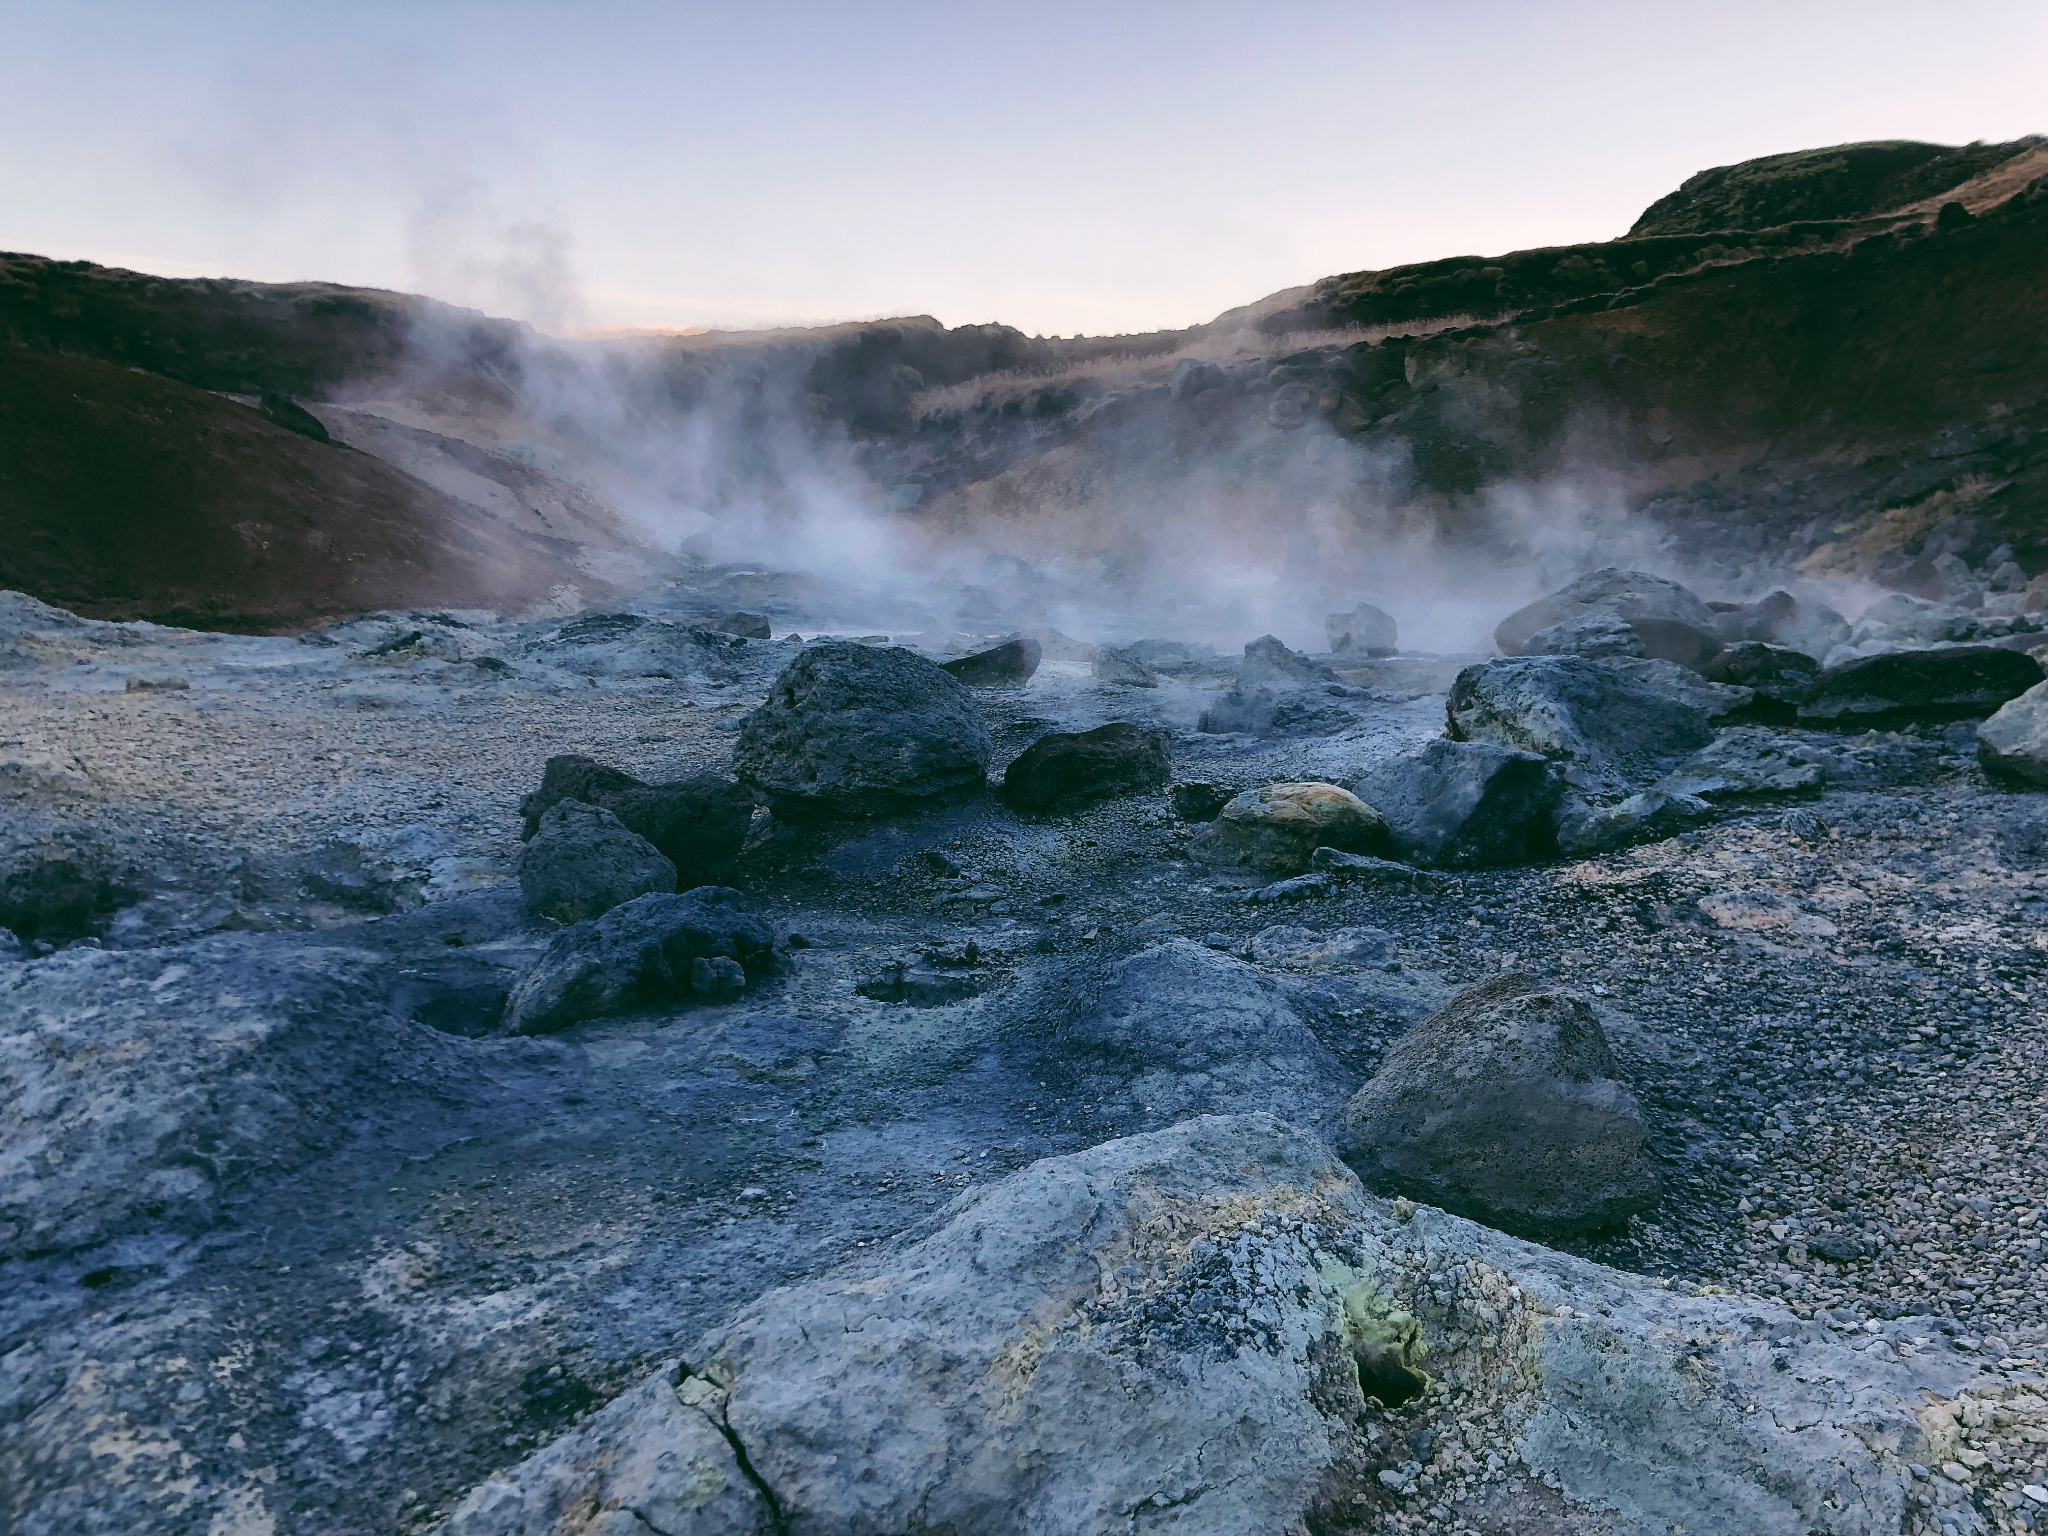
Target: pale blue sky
x=1063 y=167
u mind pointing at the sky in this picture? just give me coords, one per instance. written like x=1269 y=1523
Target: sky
x=1067 y=168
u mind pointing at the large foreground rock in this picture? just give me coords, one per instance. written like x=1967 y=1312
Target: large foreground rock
x=1961 y=682
x=1506 y=1106
x=2013 y=744
x=699 y=823
x=1668 y=621
x=1276 y=828
x=1578 y=711
x=584 y=861
x=1466 y=804
x=1214 y=1329
x=702 y=944
x=1115 y=759
x=859 y=729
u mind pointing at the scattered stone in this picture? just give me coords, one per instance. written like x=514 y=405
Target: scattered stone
x=1363 y=871
x=1669 y=621
x=1266 y=660
x=1899 y=620
x=857 y=729
x=1600 y=635
x=717 y=979
x=1749 y=762
x=1466 y=804
x=1115 y=759
x=1952 y=683
x=1778 y=677
x=1506 y=1106
x=1304 y=950
x=899 y=982
x=747 y=626
x=638 y=954
x=1584 y=712
x=2013 y=744
x=583 y=861
x=1364 y=630
x=1009 y=665
x=1120 y=669
x=1276 y=828
x=1198 y=799
x=1781 y=621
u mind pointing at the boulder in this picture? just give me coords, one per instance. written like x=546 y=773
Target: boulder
x=1171 y=656
x=1115 y=759
x=1198 y=799
x=2013 y=744
x=57 y=886
x=1213 y=1328
x=1466 y=804
x=1261 y=711
x=1276 y=828
x=699 y=823
x=1009 y=665
x=1717 y=701
x=747 y=626
x=1506 y=1106
x=1120 y=669
x=1179 y=1029
x=1899 y=620
x=1647 y=816
x=1783 y=621
x=852 y=729
x=584 y=861
x=1600 y=634
x=1365 y=630
x=1953 y=683
x=643 y=952
x=1777 y=676
x=1669 y=621
x=1748 y=763
x=1579 y=711
x=1266 y=660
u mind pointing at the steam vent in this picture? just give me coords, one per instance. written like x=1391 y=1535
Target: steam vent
x=1419 y=908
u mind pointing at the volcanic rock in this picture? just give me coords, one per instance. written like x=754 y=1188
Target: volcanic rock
x=1466 y=804
x=1599 y=634
x=858 y=729
x=1506 y=1106
x=1671 y=623
x=1259 y=711
x=1115 y=759
x=699 y=823
x=1170 y=656
x=1198 y=800
x=1748 y=762
x=1778 y=676
x=1120 y=669
x=1781 y=620
x=1008 y=665
x=1364 y=629
x=747 y=626
x=57 y=887
x=1952 y=683
x=1717 y=701
x=643 y=952
x=571 y=776
x=1647 y=816
x=584 y=861
x=1267 y=660
x=1276 y=828
x=1581 y=711
x=2013 y=744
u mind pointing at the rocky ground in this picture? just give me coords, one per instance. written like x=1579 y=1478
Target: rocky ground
x=291 y=1238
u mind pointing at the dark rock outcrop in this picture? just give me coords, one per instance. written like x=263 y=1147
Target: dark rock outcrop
x=1780 y=676
x=1466 y=804
x=699 y=823
x=1579 y=711
x=1506 y=1106
x=1781 y=619
x=1009 y=665
x=1115 y=759
x=1960 y=682
x=851 y=729
x=584 y=861
x=1668 y=620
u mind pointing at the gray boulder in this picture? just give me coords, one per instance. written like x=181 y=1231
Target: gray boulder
x=860 y=729
x=1747 y=763
x=1715 y=700
x=1649 y=815
x=1267 y=660
x=1778 y=677
x=1960 y=682
x=1668 y=620
x=1261 y=711
x=1213 y=1328
x=1599 y=634
x=1506 y=1106
x=744 y=625
x=1899 y=620
x=1171 y=656
x=1276 y=828
x=1781 y=620
x=1581 y=712
x=2013 y=744
x=1009 y=665
x=1120 y=669
x=1115 y=759
x=1364 y=630
x=1466 y=804
x=699 y=822
x=583 y=861
x=644 y=952
x=1180 y=1030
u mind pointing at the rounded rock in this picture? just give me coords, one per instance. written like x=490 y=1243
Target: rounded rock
x=1276 y=828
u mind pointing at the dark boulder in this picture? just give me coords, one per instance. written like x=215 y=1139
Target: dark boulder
x=851 y=729
x=1120 y=669
x=1116 y=759
x=650 y=950
x=1779 y=676
x=746 y=626
x=1960 y=682
x=699 y=823
x=1198 y=799
x=1466 y=804
x=571 y=776
x=584 y=861
x=57 y=888
x=1601 y=635
x=1670 y=622
x=1579 y=711
x=1173 y=657
x=1506 y=1106
x=1008 y=665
